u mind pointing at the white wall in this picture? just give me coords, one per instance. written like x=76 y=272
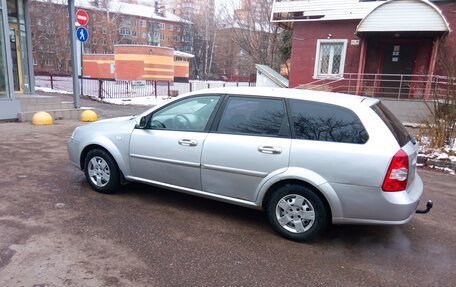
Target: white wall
x=263 y=81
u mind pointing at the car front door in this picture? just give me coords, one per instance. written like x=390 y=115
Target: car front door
x=168 y=150
x=250 y=140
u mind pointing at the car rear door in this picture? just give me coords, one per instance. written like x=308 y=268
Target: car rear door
x=169 y=149
x=250 y=139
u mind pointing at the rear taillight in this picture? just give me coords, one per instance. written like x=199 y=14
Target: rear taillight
x=397 y=175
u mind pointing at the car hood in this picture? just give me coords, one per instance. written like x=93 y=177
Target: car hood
x=115 y=120
x=114 y=124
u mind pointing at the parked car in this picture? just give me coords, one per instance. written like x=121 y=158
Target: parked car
x=306 y=158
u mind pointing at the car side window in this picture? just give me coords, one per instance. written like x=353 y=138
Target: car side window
x=326 y=122
x=254 y=116
x=190 y=114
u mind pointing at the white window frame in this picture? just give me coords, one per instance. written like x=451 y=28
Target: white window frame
x=317 y=74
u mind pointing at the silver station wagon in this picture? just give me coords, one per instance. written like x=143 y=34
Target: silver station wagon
x=306 y=158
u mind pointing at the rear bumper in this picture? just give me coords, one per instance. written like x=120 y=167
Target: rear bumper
x=365 y=205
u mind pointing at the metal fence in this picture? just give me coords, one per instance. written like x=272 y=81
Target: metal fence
x=398 y=86
x=112 y=89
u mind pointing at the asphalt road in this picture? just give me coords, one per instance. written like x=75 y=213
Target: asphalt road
x=56 y=231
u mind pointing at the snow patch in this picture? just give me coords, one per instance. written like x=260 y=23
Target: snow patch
x=442 y=156
x=444 y=169
x=49 y=90
x=141 y=101
x=445 y=156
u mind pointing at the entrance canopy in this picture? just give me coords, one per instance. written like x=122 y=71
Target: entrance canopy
x=404 y=16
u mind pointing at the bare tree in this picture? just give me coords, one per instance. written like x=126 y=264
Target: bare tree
x=50 y=36
x=440 y=126
x=204 y=35
x=254 y=34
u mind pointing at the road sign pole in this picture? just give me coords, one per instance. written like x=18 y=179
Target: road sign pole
x=82 y=69
x=74 y=56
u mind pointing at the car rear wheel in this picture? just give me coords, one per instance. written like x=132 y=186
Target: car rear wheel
x=101 y=171
x=296 y=212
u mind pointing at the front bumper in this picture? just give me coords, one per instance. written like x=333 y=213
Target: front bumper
x=73 y=152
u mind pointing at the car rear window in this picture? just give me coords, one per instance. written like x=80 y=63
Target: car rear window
x=397 y=129
x=326 y=122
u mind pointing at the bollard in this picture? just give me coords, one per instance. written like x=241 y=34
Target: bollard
x=88 y=116
x=42 y=118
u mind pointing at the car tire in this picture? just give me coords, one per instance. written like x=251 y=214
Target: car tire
x=297 y=213
x=101 y=171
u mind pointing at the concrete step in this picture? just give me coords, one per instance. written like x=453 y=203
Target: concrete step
x=35 y=103
x=57 y=114
x=34 y=99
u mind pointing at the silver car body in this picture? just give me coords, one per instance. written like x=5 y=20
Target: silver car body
x=231 y=168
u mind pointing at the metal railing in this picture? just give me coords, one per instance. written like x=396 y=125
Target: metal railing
x=114 y=89
x=399 y=86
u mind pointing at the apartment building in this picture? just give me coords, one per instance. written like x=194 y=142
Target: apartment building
x=189 y=9
x=256 y=10
x=116 y=23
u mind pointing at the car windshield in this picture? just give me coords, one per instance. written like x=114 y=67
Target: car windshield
x=189 y=107
x=190 y=114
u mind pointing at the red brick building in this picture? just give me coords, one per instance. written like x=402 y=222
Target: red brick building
x=373 y=46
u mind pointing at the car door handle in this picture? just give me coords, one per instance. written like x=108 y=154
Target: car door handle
x=187 y=142
x=270 y=149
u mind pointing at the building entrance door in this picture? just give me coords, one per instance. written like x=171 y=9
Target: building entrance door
x=16 y=56
x=397 y=66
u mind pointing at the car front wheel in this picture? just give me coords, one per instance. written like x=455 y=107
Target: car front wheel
x=297 y=213
x=101 y=171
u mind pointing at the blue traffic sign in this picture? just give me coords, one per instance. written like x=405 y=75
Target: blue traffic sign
x=82 y=34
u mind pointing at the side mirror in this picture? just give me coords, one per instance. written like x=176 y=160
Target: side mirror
x=142 y=123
